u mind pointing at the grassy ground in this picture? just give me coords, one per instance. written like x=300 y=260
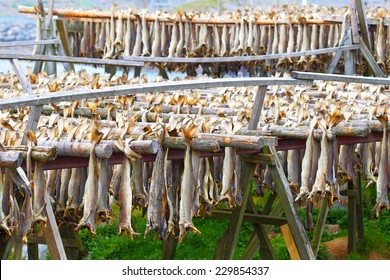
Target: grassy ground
x=107 y=245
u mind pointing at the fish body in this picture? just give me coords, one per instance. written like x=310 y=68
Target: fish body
x=103 y=192
x=157 y=195
x=3 y=217
x=187 y=192
x=125 y=199
x=383 y=184
x=322 y=171
x=39 y=194
x=228 y=176
x=91 y=189
x=306 y=166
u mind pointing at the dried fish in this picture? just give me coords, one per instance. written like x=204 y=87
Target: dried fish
x=145 y=35
x=156 y=46
x=39 y=194
x=91 y=187
x=3 y=217
x=157 y=195
x=188 y=190
x=103 y=210
x=306 y=166
x=382 y=184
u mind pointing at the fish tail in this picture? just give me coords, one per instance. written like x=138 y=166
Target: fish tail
x=335 y=118
x=383 y=120
x=96 y=137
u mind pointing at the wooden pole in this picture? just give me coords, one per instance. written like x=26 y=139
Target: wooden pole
x=360 y=209
x=52 y=234
x=319 y=229
x=283 y=189
x=352 y=219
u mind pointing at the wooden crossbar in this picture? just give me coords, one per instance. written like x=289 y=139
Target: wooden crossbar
x=43 y=99
x=29 y=43
x=81 y=60
x=237 y=58
x=340 y=78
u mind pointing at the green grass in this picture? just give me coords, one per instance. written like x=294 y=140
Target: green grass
x=107 y=245
x=197 y=5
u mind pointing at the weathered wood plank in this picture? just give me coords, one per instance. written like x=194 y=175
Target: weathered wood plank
x=29 y=43
x=43 y=99
x=35 y=111
x=360 y=210
x=236 y=58
x=52 y=234
x=319 y=228
x=283 y=189
x=10 y=159
x=259 y=158
x=354 y=22
x=349 y=57
x=169 y=247
x=91 y=15
x=335 y=61
x=21 y=76
x=289 y=239
x=41 y=49
x=340 y=78
x=253 y=218
x=370 y=59
x=363 y=23
x=257 y=108
x=32 y=251
x=64 y=43
x=81 y=60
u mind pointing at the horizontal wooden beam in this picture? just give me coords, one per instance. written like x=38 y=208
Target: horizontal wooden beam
x=340 y=78
x=29 y=43
x=70 y=59
x=106 y=15
x=47 y=98
x=71 y=243
x=10 y=159
x=249 y=217
x=237 y=58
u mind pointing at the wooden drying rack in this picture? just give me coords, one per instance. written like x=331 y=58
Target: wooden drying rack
x=298 y=244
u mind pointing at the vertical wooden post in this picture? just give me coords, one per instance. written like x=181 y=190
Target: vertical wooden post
x=283 y=189
x=63 y=48
x=319 y=229
x=41 y=49
x=18 y=249
x=51 y=66
x=360 y=210
x=68 y=233
x=32 y=251
x=169 y=247
x=352 y=221
x=349 y=64
x=363 y=24
x=257 y=107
